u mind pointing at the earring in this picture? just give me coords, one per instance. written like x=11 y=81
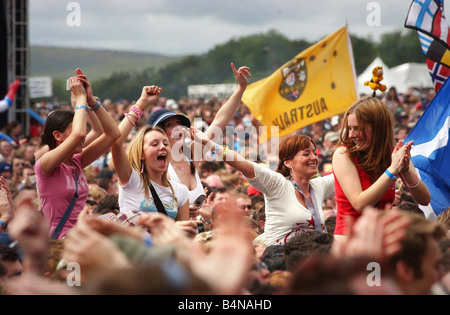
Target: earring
x=142 y=167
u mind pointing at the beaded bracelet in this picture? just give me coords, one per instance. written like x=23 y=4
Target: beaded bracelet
x=131 y=120
x=137 y=110
x=139 y=106
x=134 y=114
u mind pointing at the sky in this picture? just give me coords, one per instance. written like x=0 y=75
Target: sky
x=182 y=27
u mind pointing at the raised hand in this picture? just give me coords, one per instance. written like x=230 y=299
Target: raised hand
x=400 y=158
x=197 y=136
x=241 y=75
x=405 y=154
x=163 y=229
x=30 y=229
x=225 y=267
x=92 y=250
x=87 y=85
x=149 y=96
x=77 y=88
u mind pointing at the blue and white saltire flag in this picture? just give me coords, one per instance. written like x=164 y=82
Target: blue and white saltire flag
x=430 y=152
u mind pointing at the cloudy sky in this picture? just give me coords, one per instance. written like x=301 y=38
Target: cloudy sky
x=180 y=27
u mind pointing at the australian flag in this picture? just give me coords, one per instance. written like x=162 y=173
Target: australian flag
x=430 y=152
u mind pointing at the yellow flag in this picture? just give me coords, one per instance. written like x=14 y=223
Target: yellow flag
x=318 y=83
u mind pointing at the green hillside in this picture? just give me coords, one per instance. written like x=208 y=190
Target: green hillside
x=60 y=63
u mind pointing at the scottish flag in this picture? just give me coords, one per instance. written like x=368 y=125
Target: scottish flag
x=430 y=152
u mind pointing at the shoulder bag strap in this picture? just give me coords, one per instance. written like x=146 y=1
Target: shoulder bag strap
x=158 y=202
x=69 y=209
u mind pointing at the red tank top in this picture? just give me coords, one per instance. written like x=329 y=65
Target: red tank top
x=344 y=207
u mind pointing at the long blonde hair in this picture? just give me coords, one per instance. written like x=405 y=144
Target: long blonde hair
x=134 y=152
x=371 y=111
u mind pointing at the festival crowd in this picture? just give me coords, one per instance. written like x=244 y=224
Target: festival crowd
x=157 y=196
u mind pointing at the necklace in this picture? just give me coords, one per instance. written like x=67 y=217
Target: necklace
x=311 y=207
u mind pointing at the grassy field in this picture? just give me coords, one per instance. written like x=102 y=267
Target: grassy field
x=60 y=63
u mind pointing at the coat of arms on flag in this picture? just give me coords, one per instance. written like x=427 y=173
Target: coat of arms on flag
x=318 y=83
x=294 y=79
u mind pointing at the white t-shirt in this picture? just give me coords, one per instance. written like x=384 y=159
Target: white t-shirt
x=132 y=196
x=285 y=216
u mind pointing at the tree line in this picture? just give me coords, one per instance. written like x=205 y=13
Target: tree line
x=261 y=52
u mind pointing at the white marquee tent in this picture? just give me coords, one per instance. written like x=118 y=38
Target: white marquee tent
x=402 y=77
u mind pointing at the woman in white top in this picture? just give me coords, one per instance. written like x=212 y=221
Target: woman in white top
x=293 y=195
x=144 y=166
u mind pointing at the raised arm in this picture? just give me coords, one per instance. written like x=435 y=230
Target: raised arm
x=96 y=131
x=110 y=130
x=229 y=156
x=51 y=159
x=149 y=96
x=8 y=100
x=226 y=112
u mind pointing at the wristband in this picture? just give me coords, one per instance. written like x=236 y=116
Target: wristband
x=3 y=224
x=389 y=174
x=215 y=151
x=137 y=110
x=226 y=149
x=81 y=106
x=416 y=183
x=96 y=106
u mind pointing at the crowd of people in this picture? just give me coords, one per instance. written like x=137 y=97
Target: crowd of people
x=155 y=196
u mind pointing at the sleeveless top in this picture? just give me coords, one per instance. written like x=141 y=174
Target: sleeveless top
x=344 y=207
x=193 y=194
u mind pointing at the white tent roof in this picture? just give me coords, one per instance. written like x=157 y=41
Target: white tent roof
x=410 y=75
x=401 y=77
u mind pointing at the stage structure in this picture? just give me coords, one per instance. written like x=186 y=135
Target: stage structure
x=18 y=58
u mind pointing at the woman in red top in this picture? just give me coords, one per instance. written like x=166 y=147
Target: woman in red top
x=366 y=163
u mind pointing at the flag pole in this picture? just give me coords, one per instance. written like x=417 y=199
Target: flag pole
x=352 y=60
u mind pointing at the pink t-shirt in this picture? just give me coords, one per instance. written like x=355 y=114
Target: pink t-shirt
x=57 y=189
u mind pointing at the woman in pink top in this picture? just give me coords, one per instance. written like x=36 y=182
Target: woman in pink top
x=59 y=172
